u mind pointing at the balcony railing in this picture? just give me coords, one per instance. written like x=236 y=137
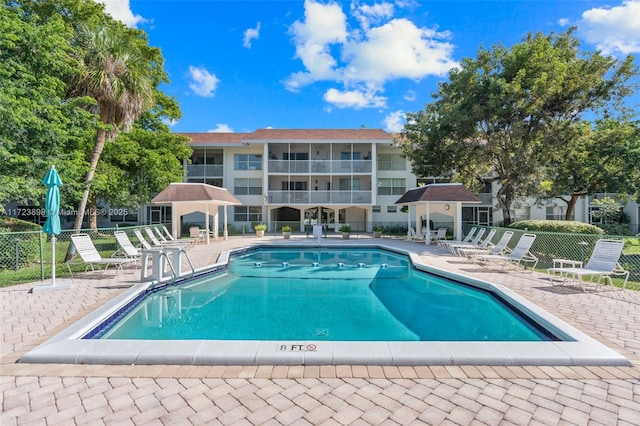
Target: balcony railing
x=319 y=197
x=204 y=170
x=320 y=166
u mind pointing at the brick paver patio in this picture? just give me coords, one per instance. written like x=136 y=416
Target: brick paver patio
x=328 y=395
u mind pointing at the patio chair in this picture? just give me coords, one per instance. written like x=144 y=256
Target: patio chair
x=439 y=235
x=483 y=244
x=500 y=248
x=159 y=244
x=143 y=242
x=451 y=245
x=169 y=238
x=194 y=233
x=519 y=255
x=466 y=239
x=92 y=258
x=603 y=263
x=126 y=246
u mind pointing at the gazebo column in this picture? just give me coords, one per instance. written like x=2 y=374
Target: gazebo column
x=458 y=222
x=226 y=232
x=175 y=221
x=409 y=221
x=427 y=233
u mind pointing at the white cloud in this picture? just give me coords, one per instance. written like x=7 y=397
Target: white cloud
x=398 y=49
x=169 y=122
x=323 y=26
x=221 y=128
x=368 y=14
x=410 y=96
x=203 y=83
x=613 y=30
x=251 y=34
x=382 y=49
x=394 y=122
x=354 y=99
x=120 y=10
x=563 y=22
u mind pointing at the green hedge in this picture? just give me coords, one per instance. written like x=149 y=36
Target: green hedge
x=560 y=226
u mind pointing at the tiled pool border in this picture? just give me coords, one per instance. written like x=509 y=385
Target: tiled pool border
x=581 y=350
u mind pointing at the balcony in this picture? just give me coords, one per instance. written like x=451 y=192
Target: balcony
x=204 y=170
x=319 y=166
x=319 y=197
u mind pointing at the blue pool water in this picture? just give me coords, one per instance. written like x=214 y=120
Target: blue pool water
x=328 y=294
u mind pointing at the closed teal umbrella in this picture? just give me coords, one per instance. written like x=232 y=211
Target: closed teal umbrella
x=51 y=206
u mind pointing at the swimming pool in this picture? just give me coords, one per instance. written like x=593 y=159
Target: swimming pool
x=555 y=342
x=330 y=294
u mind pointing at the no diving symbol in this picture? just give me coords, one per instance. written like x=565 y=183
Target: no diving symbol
x=298 y=347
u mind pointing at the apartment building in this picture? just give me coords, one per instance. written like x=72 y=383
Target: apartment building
x=333 y=176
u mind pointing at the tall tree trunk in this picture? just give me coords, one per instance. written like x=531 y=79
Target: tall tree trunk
x=93 y=211
x=101 y=137
x=571 y=204
x=505 y=197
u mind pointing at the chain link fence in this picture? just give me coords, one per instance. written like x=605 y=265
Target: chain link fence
x=27 y=256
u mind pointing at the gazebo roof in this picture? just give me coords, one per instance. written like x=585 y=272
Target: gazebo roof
x=195 y=192
x=439 y=193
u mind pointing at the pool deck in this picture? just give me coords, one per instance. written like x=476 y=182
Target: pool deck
x=327 y=394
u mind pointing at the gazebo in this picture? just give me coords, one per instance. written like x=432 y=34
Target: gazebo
x=188 y=198
x=442 y=196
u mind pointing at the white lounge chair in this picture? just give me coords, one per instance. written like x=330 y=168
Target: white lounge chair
x=195 y=234
x=143 y=241
x=92 y=258
x=603 y=263
x=466 y=239
x=451 y=245
x=519 y=255
x=500 y=248
x=169 y=238
x=126 y=246
x=484 y=244
x=159 y=244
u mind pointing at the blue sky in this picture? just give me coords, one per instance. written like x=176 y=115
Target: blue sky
x=238 y=66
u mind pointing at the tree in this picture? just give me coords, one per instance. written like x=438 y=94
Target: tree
x=35 y=121
x=604 y=158
x=503 y=115
x=118 y=72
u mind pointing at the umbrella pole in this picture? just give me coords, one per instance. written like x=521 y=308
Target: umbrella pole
x=53 y=259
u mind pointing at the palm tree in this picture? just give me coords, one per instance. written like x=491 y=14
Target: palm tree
x=120 y=73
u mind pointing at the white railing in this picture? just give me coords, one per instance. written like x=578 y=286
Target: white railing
x=319 y=197
x=320 y=166
x=204 y=170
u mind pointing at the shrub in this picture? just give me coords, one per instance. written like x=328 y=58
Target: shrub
x=286 y=228
x=559 y=226
x=260 y=227
x=378 y=228
x=345 y=228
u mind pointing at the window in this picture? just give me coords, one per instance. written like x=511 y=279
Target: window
x=294 y=186
x=392 y=209
x=247 y=186
x=247 y=214
x=247 y=162
x=391 y=186
x=375 y=209
x=296 y=155
x=391 y=162
x=350 y=156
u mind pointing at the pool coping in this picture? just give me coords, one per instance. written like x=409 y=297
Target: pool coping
x=67 y=348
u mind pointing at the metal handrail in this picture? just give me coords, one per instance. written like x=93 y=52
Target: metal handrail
x=193 y=270
x=173 y=271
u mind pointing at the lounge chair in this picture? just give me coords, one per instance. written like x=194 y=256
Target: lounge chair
x=482 y=244
x=159 y=244
x=451 y=245
x=466 y=239
x=519 y=255
x=143 y=241
x=92 y=258
x=126 y=246
x=500 y=248
x=603 y=263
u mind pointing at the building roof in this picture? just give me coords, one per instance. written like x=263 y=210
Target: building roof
x=290 y=135
x=179 y=191
x=439 y=192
